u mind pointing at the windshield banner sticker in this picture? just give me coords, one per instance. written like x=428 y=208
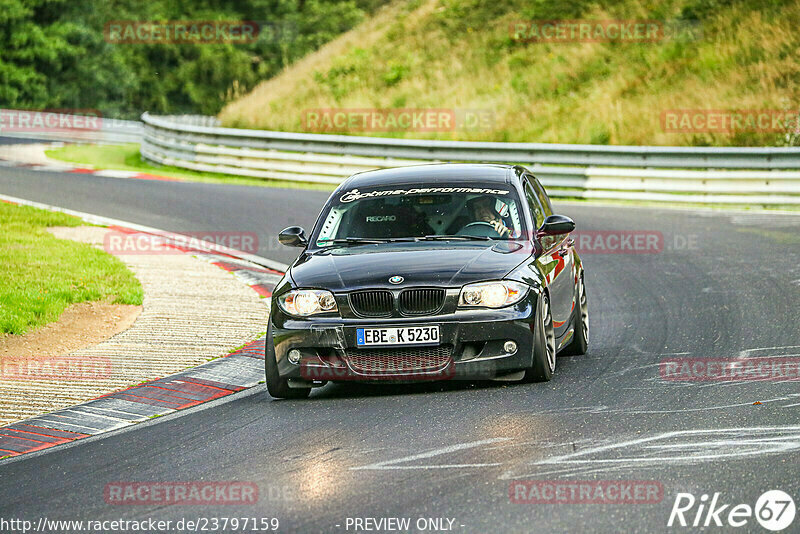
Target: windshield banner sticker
x=355 y=194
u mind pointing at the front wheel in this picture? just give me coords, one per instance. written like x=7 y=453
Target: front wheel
x=277 y=386
x=544 y=345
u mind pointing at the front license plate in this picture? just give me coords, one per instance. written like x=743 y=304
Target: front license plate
x=405 y=335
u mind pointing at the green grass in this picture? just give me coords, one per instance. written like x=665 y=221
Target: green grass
x=127 y=158
x=42 y=275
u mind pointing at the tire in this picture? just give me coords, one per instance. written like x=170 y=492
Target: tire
x=580 y=341
x=276 y=386
x=544 y=345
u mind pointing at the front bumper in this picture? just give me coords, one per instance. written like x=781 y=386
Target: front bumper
x=472 y=339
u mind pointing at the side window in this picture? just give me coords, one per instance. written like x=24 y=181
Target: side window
x=536 y=209
x=543 y=198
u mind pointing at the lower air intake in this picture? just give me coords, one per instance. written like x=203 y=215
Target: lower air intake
x=400 y=360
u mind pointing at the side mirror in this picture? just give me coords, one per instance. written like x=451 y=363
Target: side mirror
x=293 y=236
x=556 y=225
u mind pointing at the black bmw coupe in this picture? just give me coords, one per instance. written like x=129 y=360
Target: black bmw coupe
x=429 y=272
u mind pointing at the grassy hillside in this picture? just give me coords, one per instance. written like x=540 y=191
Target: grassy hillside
x=460 y=54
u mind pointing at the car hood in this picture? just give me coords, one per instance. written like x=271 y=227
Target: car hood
x=423 y=263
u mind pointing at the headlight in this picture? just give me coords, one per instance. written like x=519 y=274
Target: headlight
x=492 y=294
x=305 y=302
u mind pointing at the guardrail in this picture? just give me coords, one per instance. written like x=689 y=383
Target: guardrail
x=767 y=175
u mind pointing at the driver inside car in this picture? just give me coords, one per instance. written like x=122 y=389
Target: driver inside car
x=483 y=210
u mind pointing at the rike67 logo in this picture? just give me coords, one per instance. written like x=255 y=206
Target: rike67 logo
x=774 y=510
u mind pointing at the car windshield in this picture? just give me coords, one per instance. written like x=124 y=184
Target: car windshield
x=420 y=212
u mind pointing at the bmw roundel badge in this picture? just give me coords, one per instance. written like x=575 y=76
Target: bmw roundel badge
x=396 y=279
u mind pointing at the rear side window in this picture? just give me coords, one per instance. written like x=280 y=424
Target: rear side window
x=536 y=209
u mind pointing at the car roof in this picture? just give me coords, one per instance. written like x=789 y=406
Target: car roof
x=433 y=173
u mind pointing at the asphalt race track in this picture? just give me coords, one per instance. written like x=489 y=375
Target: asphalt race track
x=722 y=285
